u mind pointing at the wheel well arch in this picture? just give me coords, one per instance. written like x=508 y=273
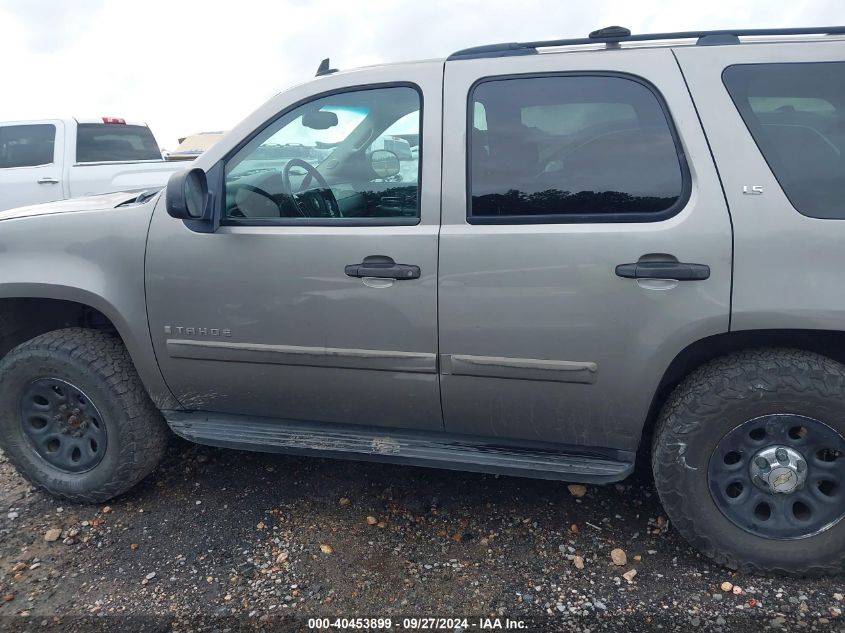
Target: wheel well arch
x=830 y=343
x=23 y=318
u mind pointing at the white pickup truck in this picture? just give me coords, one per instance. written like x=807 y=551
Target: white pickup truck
x=49 y=160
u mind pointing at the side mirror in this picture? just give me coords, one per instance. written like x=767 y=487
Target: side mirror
x=319 y=120
x=187 y=195
x=384 y=163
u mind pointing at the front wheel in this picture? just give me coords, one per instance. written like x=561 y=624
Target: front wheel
x=749 y=461
x=75 y=418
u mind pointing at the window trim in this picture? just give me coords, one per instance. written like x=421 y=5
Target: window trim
x=579 y=218
x=754 y=138
x=220 y=209
x=55 y=141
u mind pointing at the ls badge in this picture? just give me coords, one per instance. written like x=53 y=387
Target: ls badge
x=752 y=190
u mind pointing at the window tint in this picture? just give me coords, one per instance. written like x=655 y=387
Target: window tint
x=796 y=114
x=98 y=142
x=26 y=145
x=352 y=155
x=571 y=148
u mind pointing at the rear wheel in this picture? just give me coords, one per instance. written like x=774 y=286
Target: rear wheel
x=75 y=418
x=749 y=461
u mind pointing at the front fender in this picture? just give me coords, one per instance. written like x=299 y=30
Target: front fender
x=95 y=258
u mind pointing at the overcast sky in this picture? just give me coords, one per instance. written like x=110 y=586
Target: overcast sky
x=186 y=66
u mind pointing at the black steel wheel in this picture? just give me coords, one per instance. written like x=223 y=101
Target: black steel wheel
x=74 y=416
x=63 y=424
x=749 y=461
x=779 y=476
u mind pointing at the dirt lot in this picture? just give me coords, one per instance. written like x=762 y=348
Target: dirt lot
x=225 y=540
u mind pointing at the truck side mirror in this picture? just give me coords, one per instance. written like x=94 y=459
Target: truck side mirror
x=187 y=195
x=384 y=163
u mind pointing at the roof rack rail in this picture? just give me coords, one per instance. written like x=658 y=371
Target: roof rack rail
x=613 y=35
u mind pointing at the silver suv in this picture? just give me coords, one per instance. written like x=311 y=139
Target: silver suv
x=535 y=259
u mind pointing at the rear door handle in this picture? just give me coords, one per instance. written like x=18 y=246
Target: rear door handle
x=382 y=267
x=679 y=271
x=47 y=181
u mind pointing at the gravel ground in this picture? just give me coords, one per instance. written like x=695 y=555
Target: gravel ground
x=227 y=540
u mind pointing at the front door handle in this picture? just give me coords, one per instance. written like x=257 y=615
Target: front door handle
x=679 y=271
x=382 y=267
x=47 y=181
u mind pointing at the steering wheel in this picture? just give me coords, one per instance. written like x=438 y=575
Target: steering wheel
x=307 y=199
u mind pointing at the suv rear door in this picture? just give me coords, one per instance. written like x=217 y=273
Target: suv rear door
x=558 y=169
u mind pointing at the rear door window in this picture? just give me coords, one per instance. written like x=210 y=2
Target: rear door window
x=102 y=142
x=571 y=148
x=796 y=115
x=27 y=145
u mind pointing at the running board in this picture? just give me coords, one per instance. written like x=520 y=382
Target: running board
x=399 y=446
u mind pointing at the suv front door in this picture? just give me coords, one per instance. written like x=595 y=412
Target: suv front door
x=279 y=312
x=559 y=169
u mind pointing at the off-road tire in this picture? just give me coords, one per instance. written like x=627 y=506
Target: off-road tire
x=96 y=362
x=708 y=404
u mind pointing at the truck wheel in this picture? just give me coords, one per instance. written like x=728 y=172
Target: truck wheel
x=75 y=418
x=749 y=461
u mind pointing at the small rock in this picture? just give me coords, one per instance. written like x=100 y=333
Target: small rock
x=19 y=567
x=133 y=546
x=838 y=597
x=619 y=557
x=326 y=548
x=106 y=509
x=835 y=612
x=578 y=561
x=573 y=528
x=824 y=621
x=13 y=515
x=260 y=525
x=737 y=590
x=371 y=520
x=8 y=597
x=344 y=501
x=629 y=575
x=150 y=576
x=727 y=586
x=638 y=558
x=381 y=524
x=282 y=558
x=52 y=535
x=577 y=490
